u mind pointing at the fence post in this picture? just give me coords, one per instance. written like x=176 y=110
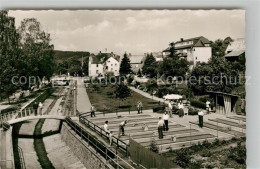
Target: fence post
x=81 y=132
x=190 y=134
x=217 y=128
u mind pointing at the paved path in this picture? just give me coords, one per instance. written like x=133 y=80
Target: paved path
x=145 y=94
x=83 y=102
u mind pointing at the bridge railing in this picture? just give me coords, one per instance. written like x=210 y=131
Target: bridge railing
x=21 y=156
x=119 y=143
x=100 y=148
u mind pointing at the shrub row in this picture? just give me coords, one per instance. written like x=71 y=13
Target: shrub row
x=198 y=104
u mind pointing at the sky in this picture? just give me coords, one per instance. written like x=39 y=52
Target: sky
x=133 y=31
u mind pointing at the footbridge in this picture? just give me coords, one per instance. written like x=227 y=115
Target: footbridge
x=13 y=117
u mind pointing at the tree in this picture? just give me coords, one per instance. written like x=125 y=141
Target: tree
x=36 y=50
x=219 y=46
x=150 y=65
x=172 y=66
x=122 y=92
x=216 y=75
x=9 y=54
x=125 y=66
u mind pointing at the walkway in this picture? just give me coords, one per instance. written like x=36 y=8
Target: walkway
x=145 y=94
x=83 y=102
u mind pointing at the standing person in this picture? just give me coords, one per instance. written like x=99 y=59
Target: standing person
x=111 y=138
x=160 y=128
x=92 y=111
x=35 y=108
x=138 y=107
x=170 y=108
x=106 y=128
x=208 y=105
x=166 y=118
x=201 y=114
x=141 y=106
x=40 y=108
x=121 y=128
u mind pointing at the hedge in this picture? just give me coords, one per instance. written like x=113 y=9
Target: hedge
x=198 y=104
x=158 y=108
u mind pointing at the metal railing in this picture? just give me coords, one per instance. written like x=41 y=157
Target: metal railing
x=22 y=161
x=119 y=143
x=98 y=146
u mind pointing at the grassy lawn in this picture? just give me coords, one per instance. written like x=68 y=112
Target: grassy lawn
x=104 y=99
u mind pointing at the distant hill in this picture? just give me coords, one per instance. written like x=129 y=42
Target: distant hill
x=60 y=56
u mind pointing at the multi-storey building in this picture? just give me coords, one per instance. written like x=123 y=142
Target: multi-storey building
x=195 y=50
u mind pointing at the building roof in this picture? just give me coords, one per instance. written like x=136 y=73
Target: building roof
x=101 y=59
x=222 y=93
x=235 y=53
x=136 y=59
x=236 y=44
x=197 y=42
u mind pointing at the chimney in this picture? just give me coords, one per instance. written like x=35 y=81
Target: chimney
x=182 y=39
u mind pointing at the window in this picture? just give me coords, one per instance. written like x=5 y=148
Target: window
x=115 y=70
x=111 y=69
x=96 y=71
x=111 y=64
x=115 y=64
x=106 y=67
x=194 y=49
x=97 y=65
x=196 y=58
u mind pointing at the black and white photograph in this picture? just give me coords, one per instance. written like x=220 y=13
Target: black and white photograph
x=128 y=89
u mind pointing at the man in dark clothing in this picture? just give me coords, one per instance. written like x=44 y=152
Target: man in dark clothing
x=35 y=108
x=92 y=111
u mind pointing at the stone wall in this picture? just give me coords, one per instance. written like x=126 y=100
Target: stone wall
x=85 y=153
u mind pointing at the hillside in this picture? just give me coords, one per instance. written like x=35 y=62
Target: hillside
x=60 y=56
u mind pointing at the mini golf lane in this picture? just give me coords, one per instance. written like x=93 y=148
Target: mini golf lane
x=179 y=138
x=237 y=118
x=227 y=122
x=220 y=128
x=150 y=134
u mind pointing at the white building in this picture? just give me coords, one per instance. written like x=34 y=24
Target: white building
x=112 y=65
x=104 y=63
x=195 y=50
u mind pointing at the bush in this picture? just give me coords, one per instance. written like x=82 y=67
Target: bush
x=109 y=93
x=238 y=153
x=206 y=153
x=153 y=146
x=158 y=108
x=193 y=111
x=181 y=113
x=198 y=104
x=183 y=158
x=96 y=87
x=130 y=79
